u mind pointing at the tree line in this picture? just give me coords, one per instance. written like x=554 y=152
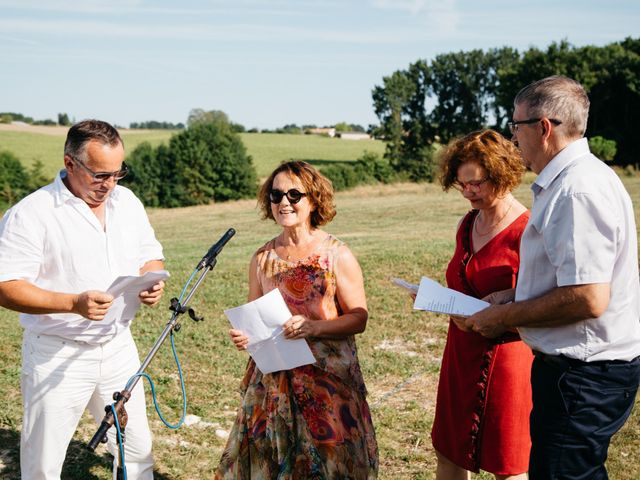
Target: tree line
x=430 y=103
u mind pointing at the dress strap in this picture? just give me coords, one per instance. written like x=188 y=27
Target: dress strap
x=465 y=240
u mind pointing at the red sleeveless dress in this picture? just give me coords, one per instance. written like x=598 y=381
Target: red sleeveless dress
x=484 y=392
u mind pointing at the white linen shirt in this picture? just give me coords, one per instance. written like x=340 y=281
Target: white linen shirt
x=53 y=240
x=582 y=231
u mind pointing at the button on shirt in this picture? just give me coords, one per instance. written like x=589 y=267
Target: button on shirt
x=582 y=231
x=53 y=240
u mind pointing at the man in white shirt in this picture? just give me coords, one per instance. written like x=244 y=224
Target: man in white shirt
x=60 y=249
x=577 y=302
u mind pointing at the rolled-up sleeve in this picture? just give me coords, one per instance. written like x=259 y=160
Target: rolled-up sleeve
x=150 y=247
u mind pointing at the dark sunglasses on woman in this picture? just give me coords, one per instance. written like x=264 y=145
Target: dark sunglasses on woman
x=293 y=195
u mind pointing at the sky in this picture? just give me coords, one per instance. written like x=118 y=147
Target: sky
x=265 y=63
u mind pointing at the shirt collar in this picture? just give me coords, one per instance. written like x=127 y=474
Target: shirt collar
x=62 y=194
x=562 y=160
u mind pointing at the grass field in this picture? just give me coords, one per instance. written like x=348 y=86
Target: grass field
x=403 y=230
x=267 y=150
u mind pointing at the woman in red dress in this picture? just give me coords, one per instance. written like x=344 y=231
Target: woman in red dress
x=484 y=392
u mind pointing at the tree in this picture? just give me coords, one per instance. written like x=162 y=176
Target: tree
x=602 y=148
x=198 y=115
x=63 y=119
x=390 y=102
x=14 y=179
x=204 y=163
x=400 y=106
x=475 y=89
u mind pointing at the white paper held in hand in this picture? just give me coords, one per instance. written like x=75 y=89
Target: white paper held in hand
x=261 y=321
x=433 y=297
x=411 y=287
x=125 y=291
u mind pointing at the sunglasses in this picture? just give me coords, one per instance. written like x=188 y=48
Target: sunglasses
x=104 y=176
x=293 y=195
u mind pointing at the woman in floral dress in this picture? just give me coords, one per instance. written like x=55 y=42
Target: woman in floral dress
x=310 y=422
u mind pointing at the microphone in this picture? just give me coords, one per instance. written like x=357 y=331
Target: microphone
x=209 y=259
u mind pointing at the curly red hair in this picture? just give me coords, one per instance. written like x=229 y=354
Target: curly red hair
x=497 y=155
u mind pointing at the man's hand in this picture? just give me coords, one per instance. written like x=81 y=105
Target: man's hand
x=152 y=296
x=488 y=322
x=92 y=304
x=460 y=323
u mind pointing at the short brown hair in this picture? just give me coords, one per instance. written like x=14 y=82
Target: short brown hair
x=318 y=188
x=83 y=132
x=497 y=155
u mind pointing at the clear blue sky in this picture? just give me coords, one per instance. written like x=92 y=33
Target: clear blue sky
x=265 y=63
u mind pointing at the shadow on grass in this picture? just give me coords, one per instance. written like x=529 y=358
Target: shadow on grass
x=77 y=466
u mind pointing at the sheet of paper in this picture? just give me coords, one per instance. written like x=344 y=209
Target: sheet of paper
x=261 y=321
x=125 y=291
x=433 y=297
x=411 y=287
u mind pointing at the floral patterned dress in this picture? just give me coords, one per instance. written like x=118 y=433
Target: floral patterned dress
x=311 y=422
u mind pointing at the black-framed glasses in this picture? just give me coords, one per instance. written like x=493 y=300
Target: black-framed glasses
x=513 y=126
x=104 y=176
x=293 y=195
x=473 y=185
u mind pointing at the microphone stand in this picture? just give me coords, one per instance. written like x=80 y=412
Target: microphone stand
x=206 y=265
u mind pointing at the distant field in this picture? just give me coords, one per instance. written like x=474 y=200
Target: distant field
x=267 y=150
x=404 y=230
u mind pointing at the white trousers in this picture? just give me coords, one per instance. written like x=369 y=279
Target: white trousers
x=60 y=379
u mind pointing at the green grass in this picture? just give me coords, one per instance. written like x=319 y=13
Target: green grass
x=403 y=230
x=30 y=147
x=267 y=150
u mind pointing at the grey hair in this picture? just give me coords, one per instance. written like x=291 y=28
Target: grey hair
x=560 y=98
x=83 y=132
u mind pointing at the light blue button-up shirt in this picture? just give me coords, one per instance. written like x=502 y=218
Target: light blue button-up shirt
x=582 y=231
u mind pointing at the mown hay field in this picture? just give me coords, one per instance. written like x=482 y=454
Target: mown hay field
x=403 y=230
x=46 y=144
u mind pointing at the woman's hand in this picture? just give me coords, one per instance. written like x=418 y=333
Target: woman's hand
x=299 y=326
x=239 y=339
x=501 y=297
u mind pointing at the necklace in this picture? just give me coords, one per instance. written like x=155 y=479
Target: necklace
x=475 y=224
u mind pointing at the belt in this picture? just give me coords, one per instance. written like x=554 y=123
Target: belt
x=565 y=362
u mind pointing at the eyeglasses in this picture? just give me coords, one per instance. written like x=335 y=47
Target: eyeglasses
x=293 y=195
x=104 y=176
x=513 y=126
x=473 y=185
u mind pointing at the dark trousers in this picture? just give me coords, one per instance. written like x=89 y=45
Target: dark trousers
x=577 y=407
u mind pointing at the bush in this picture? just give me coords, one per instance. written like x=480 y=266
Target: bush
x=379 y=169
x=342 y=176
x=147 y=174
x=14 y=179
x=602 y=148
x=368 y=169
x=206 y=162
x=419 y=167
